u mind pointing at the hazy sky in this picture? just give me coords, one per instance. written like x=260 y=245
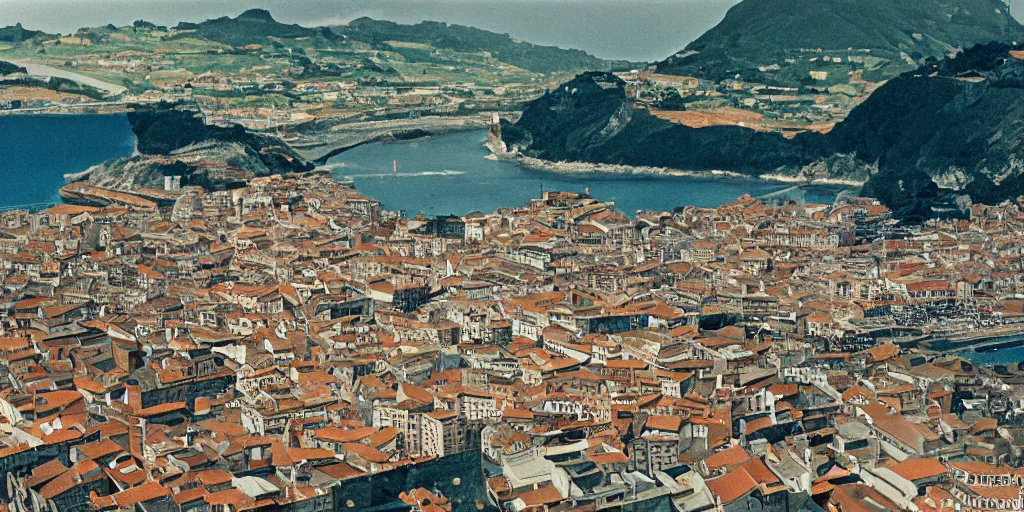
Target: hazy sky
x=620 y=29
x=645 y=30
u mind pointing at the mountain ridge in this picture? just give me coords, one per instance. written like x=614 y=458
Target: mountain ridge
x=526 y=55
x=249 y=27
x=902 y=33
x=258 y=25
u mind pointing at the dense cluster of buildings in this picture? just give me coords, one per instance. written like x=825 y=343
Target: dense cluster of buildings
x=287 y=345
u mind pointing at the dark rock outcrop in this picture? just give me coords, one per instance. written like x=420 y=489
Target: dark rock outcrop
x=591 y=119
x=950 y=128
x=254 y=26
x=169 y=137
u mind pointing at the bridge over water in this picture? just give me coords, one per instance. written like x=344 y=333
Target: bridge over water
x=787 y=192
x=31 y=207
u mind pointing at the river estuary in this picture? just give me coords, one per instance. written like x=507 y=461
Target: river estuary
x=451 y=174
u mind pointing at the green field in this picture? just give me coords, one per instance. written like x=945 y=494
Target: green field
x=153 y=59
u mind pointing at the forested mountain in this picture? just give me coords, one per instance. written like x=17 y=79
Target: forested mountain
x=894 y=35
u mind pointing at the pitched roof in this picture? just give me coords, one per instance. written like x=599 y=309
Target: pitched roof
x=338 y=435
x=416 y=393
x=367 y=452
x=728 y=457
x=918 y=469
x=140 y=494
x=731 y=486
x=664 y=423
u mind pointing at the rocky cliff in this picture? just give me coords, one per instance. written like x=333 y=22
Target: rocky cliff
x=172 y=141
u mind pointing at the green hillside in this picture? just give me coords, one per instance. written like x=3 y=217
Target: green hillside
x=893 y=35
x=252 y=26
x=528 y=56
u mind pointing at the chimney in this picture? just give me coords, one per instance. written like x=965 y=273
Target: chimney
x=133 y=394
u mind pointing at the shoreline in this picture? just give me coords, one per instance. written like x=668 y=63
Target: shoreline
x=418 y=130
x=66 y=110
x=796 y=180
x=587 y=167
x=516 y=158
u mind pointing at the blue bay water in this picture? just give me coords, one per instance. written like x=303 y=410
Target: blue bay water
x=445 y=174
x=449 y=174
x=36 y=151
x=1008 y=355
